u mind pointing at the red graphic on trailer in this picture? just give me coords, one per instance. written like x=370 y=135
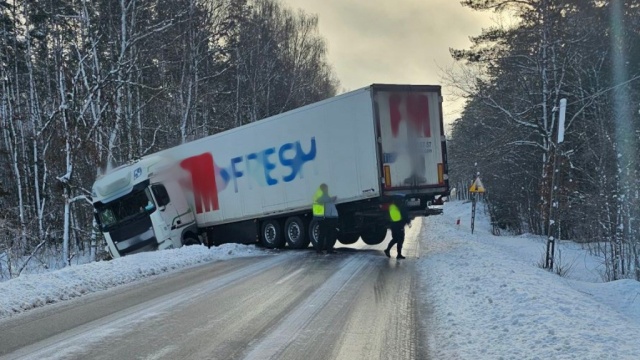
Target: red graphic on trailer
x=416 y=108
x=203 y=178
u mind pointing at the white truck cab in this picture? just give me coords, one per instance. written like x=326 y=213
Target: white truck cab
x=139 y=208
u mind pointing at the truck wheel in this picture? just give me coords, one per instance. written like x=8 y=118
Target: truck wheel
x=348 y=238
x=191 y=240
x=271 y=235
x=314 y=230
x=374 y=236
x=295 y=233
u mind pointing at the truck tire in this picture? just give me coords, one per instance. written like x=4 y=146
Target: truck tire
x=271 y=234
x=314 y=229
x=348 y=238
x=295 y=233
x=191 y=239
x=374 y=236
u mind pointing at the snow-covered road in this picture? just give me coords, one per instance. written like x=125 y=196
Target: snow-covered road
x=291 y=305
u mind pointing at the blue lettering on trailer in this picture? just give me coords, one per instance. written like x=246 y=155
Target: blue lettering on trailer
x=261 y=165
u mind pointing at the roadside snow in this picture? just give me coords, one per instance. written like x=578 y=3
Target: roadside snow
x=35 y=290
x=488 y=298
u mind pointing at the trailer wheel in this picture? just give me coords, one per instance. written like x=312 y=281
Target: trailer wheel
x=348 y=238
x=374 y=236
x=271 y=234
x=314 y=231
x=295 y=233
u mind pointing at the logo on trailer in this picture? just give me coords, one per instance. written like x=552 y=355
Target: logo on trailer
x=208 y=179
x=416 y=109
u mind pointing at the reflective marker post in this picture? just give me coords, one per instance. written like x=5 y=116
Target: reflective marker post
x=551 y=229
x=473 y=210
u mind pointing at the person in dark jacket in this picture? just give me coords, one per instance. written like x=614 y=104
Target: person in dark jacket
x=399 y=218
x=326 y=213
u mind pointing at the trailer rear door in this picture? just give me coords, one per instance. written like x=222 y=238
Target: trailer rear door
x=412 y=146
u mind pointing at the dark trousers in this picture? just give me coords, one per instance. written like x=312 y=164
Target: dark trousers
x=397 y=236
x=327 y=233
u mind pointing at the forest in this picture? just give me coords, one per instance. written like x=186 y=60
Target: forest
x=584 y=186
x=90 y=85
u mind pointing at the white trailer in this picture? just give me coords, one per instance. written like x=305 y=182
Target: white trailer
x=255 y=183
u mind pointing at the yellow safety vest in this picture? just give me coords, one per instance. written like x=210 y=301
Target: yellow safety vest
x=394 y=213
x=318 y=208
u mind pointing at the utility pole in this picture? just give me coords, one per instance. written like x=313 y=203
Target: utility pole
x=553 y=202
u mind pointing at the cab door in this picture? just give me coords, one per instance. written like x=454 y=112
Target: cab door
x=164 y=217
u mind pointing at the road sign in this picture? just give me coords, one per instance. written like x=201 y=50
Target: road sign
x=477 y=186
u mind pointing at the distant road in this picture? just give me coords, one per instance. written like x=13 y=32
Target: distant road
x=356 y=304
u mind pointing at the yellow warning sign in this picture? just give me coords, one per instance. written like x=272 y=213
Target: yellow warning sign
x=477 y=186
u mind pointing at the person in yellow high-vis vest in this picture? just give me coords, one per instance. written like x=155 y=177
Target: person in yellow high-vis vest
x=326 y=213
x=399 y=218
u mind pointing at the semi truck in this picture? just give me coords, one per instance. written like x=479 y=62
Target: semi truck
x=255 y=183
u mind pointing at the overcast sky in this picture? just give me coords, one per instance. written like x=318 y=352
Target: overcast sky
x=394 y=41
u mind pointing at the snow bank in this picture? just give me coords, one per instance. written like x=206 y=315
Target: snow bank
x=490 y=300
x=35 y=290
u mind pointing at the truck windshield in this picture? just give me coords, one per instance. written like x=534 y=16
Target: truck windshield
x=128 y=207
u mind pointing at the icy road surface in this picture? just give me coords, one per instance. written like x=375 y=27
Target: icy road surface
x=356 y=304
